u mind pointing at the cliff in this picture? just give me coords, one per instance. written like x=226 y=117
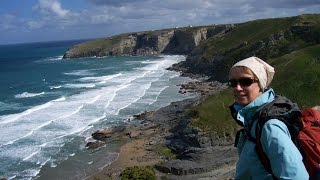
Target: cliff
x=167 y=41
x=267 y=39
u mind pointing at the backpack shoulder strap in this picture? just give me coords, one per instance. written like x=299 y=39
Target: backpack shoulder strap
x=283 y=109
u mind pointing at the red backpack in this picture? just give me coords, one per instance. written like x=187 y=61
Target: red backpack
x=304 y=129
x=309 y=138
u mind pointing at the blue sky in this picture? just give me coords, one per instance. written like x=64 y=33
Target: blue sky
x=24 y=21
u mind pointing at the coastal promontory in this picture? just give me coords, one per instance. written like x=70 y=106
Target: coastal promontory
x=167 y=41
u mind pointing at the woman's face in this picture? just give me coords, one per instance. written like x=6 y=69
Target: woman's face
x=245 y=93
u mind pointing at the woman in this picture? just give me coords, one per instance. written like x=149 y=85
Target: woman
x=249 y=79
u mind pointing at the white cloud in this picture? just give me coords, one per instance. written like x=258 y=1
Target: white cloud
x=101 y=19
x=51 y=14
x=52 y=7
x=35 y=24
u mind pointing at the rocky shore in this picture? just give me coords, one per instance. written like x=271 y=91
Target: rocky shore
x=198 y=156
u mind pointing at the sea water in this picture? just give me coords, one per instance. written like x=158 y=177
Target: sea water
x=50 y=106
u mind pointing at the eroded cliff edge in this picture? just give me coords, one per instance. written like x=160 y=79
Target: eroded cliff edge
x=168 y=41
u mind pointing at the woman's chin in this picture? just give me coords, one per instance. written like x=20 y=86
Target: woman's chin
x=242 y=101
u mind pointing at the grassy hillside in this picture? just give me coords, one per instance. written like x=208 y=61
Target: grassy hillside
x=297 y=77
x=267 y=39
x=249 y=33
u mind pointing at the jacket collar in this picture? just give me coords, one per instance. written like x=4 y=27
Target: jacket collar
x=243 y=115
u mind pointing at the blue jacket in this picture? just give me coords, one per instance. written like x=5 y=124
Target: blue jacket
x=285 y=158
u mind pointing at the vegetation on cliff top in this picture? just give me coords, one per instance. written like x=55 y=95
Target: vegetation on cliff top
x=267 y=39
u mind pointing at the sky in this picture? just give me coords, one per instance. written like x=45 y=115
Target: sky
x=23 y=21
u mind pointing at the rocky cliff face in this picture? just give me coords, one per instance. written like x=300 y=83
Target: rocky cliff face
x=170 y=41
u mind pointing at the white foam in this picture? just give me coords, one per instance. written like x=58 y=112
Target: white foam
x=56 y=58
x=115 y=93
x=100 y=78
x=14 y=117
x=12 y=177
x=94 y=99
x=55 y=87
x=68 y=115
x=79 y=73
x=31 y=155
x=60 y=99
x=28 y=95
x=28 y=134
x=88 y=85
x=136 y=97
x=165 y=87
x=45 y=162
x=148 y=62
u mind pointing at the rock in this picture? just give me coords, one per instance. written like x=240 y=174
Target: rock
x=134 y=134
x=94 y=144
x=105 y=134
x=200 y=160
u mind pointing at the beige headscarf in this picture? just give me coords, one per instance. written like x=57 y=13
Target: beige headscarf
x=261 y=69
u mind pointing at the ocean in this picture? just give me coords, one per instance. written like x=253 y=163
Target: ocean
x=50 y=106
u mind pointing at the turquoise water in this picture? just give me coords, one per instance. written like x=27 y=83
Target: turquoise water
x=50 y=106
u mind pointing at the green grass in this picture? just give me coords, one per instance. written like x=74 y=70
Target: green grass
x=213 y=116
x=138 y=173
x=298 y=76
x=251 y=32
x=165 y=151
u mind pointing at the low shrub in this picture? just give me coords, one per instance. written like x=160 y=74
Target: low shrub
x=138 y=173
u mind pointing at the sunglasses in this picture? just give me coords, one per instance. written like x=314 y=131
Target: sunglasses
x=244 y=82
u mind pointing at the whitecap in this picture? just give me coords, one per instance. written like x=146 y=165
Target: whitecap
x=27 y=95
x=14 y=117
x=165 y=87
x=94 y=99
x=31 y=155
x=12 y=177
x=79 y=73
x=100 y=78
x=80 y=85
x=55 y=58
x=55 y=87
x=47 y=160
x=53 y=165
x=60 y=99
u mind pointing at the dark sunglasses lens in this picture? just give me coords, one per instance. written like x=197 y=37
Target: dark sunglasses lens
x=244 y=82
x=233 y=83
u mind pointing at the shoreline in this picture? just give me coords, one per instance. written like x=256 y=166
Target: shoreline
x=150 y=130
